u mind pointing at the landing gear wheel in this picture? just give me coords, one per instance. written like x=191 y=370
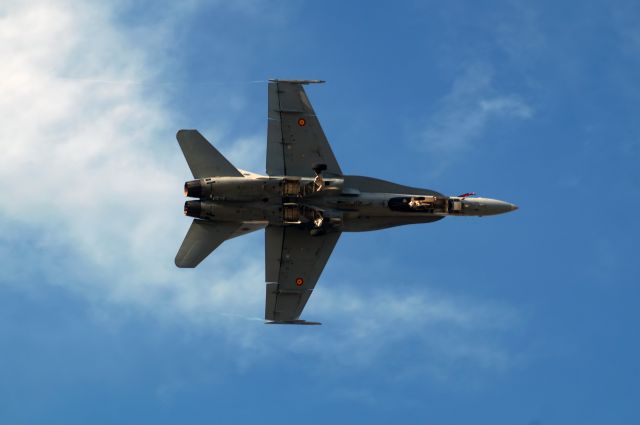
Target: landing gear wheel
x=317 y=232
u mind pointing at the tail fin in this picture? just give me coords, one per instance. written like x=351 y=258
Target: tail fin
x=205 y=236
x=201 y=239
x=204 y=160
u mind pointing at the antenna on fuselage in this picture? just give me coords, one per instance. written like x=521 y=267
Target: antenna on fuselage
x=466 y=195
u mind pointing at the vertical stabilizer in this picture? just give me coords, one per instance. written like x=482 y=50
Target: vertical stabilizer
x=204 y=160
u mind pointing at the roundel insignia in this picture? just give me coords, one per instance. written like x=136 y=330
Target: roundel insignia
x=299 y=281
x=302 y=122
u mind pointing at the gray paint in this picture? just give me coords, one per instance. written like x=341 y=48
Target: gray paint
x=291 y=254
x=204 y=160
x=304 y=215
x=201 y=239
x=293 y=149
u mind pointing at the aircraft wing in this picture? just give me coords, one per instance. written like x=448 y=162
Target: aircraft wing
x=294 y=261
x=295 y=140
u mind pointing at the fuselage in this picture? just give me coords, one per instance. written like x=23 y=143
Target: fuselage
x=304 y=203
x=347 y=203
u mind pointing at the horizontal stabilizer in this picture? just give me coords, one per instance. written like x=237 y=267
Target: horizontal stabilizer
x=201 y=239
x=248 y=227
x=204 y=160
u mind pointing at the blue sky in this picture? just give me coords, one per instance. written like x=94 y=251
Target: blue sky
x=526 y=318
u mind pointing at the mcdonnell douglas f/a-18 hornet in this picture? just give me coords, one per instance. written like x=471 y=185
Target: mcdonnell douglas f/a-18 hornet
x=304 y=203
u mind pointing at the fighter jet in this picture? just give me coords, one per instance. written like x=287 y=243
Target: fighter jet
x=304 y=202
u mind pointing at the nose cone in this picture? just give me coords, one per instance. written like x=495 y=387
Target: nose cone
x=495 y=206
x=487 y=206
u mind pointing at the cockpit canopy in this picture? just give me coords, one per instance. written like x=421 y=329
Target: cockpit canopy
x=423 y=204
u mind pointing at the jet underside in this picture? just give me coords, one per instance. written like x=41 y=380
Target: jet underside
x=304 y=202
x=338 y=205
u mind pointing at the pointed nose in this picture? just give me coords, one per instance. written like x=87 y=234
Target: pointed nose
x=500 y=207
x=487 y=206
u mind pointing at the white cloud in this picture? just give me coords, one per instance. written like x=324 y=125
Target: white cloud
x=92 y=168
x=91 y=181
x=517 y=32
x=465 y=112
x=445 y=328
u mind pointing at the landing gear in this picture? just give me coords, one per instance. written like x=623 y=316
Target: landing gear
x=318 y=219
x=325 y=221
x=318 y=182
x=317 y=231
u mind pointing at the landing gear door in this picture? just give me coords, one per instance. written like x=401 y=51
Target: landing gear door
x=291 y=213
x=291 y=187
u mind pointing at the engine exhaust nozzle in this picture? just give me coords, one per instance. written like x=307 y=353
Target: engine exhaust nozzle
x=193 y=209
x=193 y=189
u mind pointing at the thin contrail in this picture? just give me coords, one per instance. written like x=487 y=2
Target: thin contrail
x=152 y=82
x=239 y=316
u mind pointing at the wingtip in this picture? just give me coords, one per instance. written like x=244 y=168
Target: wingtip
x=290 y=322
x=277 y=80
x=180 y=263
x=182 y=133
